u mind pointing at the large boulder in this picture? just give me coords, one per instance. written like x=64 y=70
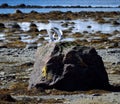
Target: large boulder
x=68 y=66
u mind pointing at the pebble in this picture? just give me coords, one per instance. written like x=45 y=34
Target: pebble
x=2 y=73
x=96 y=95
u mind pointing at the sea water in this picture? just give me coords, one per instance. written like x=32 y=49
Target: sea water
x=93 y=3
x=103 y=3
x=46 y=10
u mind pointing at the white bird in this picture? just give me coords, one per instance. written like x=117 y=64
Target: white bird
x=55 y=34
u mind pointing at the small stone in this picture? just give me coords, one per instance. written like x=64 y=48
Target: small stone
x=115 y=23
x=118 y=63
x=2 y=73
x=31 y=46
x=33 y=28
x=89 y=26
x=2 y=45
x=112 y=72
x=18 y=11
x=96 y=94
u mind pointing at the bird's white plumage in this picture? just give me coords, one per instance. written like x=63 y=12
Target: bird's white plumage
x=55 y=34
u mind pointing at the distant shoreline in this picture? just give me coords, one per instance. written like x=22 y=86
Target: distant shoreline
x=57 y=6
x=55 y=15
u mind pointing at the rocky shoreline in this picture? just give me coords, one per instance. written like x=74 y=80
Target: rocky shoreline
x=99 y=29
x=55 y=15
x=5 y=5
x=17 y=60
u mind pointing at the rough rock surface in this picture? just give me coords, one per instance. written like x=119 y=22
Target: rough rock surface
x=68 y=66
x=6 y=97
x=33 y=28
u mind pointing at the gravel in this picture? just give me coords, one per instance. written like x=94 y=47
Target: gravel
x=110 y=55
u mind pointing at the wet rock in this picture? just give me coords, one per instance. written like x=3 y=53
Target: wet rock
x=89 y=26
x=95 y=39
x=85 y=32
x=113 y=45
x=2 y=73
x=33 y=28
x=65 y=24
x=18 y=11
x=16 y=26
x=77 y=34
x=115 y=23
x=2 y=45
x=68 y=66
x=31 y=46
x=32 y=25
x=34 y=12
x=43 y=31
x=115 y=37
x=118 y=63
x=16 y=44
x=100 y=20
x=2 y=25
x=6 y=97
x=116 y=32
x=96 y=94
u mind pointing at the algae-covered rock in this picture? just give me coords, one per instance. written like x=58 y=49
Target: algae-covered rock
x=33 y=28
x=18 y=11
x=68 y=66
x=7 y=98
x=2 y=25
